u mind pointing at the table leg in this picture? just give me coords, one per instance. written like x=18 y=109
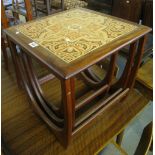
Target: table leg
x=14 y=56
x=28 y=7
x=61 y=121
x=35 y=7
x=69 y=107
x=127 y=70
x=62 y=4
x=128 y=76
x=137 y=62
x=48 y=6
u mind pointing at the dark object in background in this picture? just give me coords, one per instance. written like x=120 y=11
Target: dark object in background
x=147 y=13
x=127 y=9
x=104 y=6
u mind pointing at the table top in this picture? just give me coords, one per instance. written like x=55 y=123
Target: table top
x=70 y=41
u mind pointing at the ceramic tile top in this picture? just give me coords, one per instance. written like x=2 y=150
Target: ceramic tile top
x=75 y=33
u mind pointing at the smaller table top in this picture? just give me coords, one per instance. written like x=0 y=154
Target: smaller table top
x=145 y=74
x=70 y=41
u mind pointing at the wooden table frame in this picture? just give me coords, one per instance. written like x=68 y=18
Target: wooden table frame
x=62 y=121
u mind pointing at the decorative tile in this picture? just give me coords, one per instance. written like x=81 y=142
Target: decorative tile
x=75 y=33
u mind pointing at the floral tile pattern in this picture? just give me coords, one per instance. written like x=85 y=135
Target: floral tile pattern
x=75 y=33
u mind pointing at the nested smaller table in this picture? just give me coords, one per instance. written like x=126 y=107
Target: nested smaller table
x=73 y=45
x=144 y=80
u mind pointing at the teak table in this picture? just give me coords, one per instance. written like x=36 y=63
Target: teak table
x=70 y=44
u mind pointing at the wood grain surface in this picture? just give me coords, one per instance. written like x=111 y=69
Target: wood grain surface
x=24 y=133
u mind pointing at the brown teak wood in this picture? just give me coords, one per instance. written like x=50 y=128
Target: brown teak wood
x=76 y=113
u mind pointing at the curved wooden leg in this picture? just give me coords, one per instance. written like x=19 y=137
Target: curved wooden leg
x=61 y=125
x=91 y=79
x=15 y=60
x=127 y=79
